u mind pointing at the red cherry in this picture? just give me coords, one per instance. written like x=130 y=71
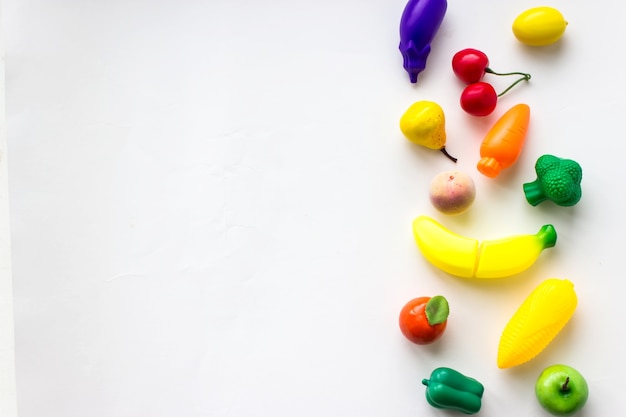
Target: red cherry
x=479 y=99
x=470 y=65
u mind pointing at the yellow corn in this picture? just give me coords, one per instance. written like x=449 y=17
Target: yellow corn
x=538 y=320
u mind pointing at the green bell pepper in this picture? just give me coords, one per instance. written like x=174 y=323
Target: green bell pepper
x=450 y=389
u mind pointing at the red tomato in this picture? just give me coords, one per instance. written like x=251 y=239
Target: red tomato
x=423 y=319
x=479 y=99
x=469 y=65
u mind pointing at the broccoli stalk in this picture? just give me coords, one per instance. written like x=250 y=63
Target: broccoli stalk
x=557 y=180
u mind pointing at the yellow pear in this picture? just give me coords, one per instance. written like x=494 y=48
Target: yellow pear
x=424 y=123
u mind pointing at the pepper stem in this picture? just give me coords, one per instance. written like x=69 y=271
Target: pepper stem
x=565 y=386
x=525 y=77
x=452 y=158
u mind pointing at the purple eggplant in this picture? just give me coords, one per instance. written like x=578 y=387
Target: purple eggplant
x=419 y=23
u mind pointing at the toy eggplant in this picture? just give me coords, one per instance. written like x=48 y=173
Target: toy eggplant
x=420 y=22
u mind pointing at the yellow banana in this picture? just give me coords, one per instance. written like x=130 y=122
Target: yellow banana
x=467 y=257
x=537 y=322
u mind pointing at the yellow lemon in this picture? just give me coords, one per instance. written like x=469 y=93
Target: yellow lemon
x=539 y=26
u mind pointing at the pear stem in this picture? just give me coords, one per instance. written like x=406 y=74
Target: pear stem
x=452 y=158
x=565 y=386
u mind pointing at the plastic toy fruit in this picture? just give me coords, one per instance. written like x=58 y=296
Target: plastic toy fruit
x=480 y=98
x=503 y=143
x=539 y=26
x=467 y=257
x=561 y=390
x=452 y=192
x=419 y=23
x=424 y=319
x=557 y=180
x=424 y=124
x=452 y=390
x=537 y=322
x=470 y=65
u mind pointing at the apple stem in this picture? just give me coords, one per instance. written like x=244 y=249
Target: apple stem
x=452 y=158
x=565 y=386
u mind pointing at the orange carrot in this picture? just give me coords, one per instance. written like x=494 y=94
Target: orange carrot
x=504 y=141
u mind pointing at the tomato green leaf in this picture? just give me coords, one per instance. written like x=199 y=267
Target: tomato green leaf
x=437 y=310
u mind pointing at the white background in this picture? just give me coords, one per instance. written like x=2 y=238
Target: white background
x=211 y=206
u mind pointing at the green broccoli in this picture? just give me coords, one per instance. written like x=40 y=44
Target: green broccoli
x=558 y=180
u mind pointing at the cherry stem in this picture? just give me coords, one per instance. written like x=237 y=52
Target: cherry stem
x=525 y=77
x=490 y=71
x=452 y=158
x=565 y=387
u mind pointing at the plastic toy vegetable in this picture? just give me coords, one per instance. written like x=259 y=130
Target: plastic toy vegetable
x=419 y=23
x=452 y=390
x=424 y=319
x=537 y=322
x=539 y=26
x=470 y=65
x=503 y=143
x=424 y=124
x=467 y=257
x=557 y=180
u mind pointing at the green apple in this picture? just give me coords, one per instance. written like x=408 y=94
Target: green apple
x=561 y=390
